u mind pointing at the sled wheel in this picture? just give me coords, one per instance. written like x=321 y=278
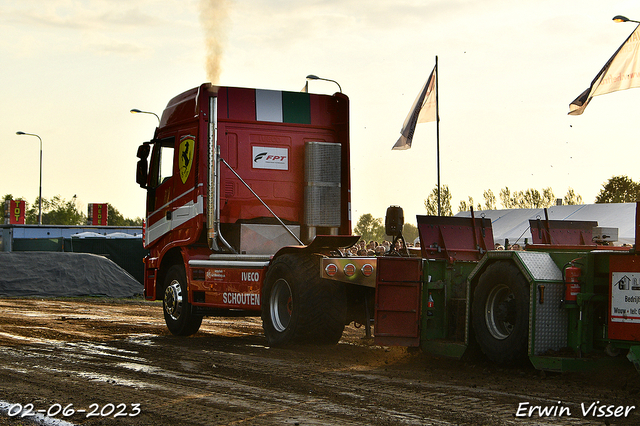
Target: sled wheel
x=500 y=313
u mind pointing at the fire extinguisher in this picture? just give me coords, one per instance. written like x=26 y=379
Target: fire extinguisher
x=572 y=283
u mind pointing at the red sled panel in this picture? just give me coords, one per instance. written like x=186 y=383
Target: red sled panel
x=398 y=296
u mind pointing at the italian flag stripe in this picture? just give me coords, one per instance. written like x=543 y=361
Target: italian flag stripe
x=283 y=107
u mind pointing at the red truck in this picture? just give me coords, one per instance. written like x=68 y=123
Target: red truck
x=248 y=214
x=248 y=208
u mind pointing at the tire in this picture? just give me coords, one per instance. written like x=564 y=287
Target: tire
x=298 y=306
x=500 y=313
x=178 y=314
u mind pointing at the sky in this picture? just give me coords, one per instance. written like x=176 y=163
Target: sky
x=73 y=69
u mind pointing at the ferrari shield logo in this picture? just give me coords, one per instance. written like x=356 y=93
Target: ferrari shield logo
x=185 y=158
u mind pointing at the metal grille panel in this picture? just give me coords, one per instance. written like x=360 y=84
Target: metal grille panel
x=541 y=266
x=550 y=327
x=551 y=319
x=322 y=184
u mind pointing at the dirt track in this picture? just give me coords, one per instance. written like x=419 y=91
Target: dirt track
x=54 y=353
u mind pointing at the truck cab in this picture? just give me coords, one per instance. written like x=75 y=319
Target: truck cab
x=240 y=184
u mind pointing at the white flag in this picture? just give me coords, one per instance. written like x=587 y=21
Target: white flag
x=423 y=110
x=621 y=72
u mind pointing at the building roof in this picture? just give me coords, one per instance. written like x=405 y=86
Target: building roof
x=513 y=224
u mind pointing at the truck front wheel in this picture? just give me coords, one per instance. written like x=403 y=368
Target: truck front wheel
x=178 y=313
x=299 y=306
x=500 y=313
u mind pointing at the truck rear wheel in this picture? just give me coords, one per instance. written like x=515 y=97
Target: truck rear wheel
x=299 y=306
x=178 y=314
x=500 y=313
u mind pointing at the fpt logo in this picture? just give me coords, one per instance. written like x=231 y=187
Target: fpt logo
x=259 y=157
x=270 y=158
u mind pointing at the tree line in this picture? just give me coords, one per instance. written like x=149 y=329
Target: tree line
x=528 y=199
x=58 y=211
x=618 y=189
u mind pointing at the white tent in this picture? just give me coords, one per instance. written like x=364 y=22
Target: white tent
x=87 y=234
x=122 y=235
x=513 y=224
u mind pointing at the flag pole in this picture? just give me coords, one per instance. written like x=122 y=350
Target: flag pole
x=438 y=138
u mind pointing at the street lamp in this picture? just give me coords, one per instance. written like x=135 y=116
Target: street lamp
x=315 y=77
x=620 y=18
x=137 y=111
x=40 y=190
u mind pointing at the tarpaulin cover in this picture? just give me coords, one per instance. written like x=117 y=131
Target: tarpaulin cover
x=125 y=252
x=63 y=274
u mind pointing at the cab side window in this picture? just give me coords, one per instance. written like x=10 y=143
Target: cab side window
x=161 y=162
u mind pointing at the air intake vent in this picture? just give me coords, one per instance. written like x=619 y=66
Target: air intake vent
x=229 y=189
x=322 y=184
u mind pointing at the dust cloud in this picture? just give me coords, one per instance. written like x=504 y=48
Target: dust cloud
x=214 y=17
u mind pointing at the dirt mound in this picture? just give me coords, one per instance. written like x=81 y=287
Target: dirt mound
x=63 y=274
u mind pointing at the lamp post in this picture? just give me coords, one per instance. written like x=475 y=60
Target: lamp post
x=137 y=111
x=620 y=18
x=315 y=77
x=40 y=189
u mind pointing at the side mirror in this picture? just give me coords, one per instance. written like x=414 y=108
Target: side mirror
x=143 y=150
x=142 y=168
x=142 y=172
